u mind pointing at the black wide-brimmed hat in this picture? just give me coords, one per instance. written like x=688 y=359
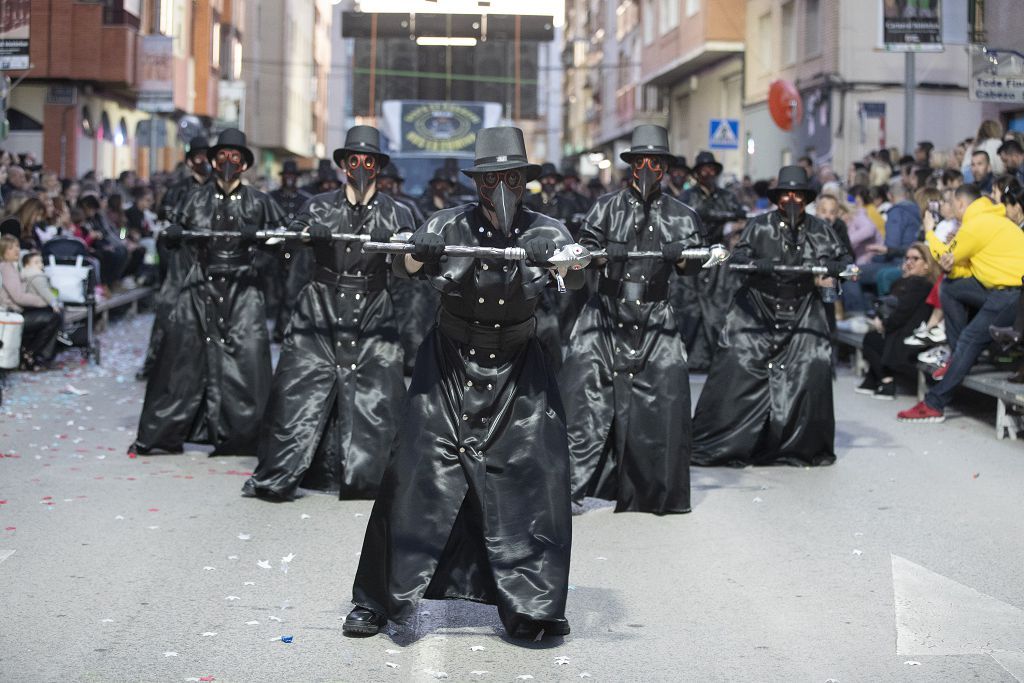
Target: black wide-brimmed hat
x=198 y=144
x=679 y=162
x=647 y=139
x=441 y=176
x=361 y=140
x=792 y=179
x=325 y=170
x=391 y=171
x=289 y=167
x=501 y=149
x=548 y=169
x=707 y=159
x=569 y=171
x=232 y=138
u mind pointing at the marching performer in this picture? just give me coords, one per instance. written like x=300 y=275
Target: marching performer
x=768 y=396
x=212 y=376
x=338 y=388
x=625 y=382
x=475 y=501
x=291 y=199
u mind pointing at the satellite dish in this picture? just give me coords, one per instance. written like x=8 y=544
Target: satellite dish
x=785 y=104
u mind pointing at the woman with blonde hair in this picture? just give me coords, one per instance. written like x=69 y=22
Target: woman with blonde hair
x=989 y=139
x=42 y=321
x=898 y=314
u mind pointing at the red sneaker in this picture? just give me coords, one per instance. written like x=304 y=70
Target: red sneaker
x=922 y=412
x=940 y=372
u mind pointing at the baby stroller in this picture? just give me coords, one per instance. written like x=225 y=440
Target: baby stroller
x=70 y=273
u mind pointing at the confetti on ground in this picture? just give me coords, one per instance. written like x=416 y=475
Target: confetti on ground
x=69 y=389
x=249 y=583
x=209 y=634
x=584 y=675
x=478 y=673
x=210 y=569
x=273 y=618
x=244 y=537
x=757 y=500
x=263 y=564
x=288 y=558
x=976 y=475
x=912 y=663
x=476 y=648
x=858 y=552
x=170 y=654
x=232 y=597
x=252 y=623
x=391 y=665
x=561 y=661
x=393 y=652
x=524 y=677
x=287 y=639
x=304 y=516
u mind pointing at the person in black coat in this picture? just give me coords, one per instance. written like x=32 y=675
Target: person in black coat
x=212 y=375
x=437 y=196
x=899 y=314
x=337 y=393
x=625 y=380
x=280 y=286
x=768 y=396
x=474 y=504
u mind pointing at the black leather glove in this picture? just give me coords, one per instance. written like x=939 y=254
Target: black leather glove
x=428 y=247
x=248 y=232
x=172 y=233
x=672 y=251
x=380 y=234
x=835 y=267
x=617 y=252
x=765 y=266
x=319 y=234
x=539 y=250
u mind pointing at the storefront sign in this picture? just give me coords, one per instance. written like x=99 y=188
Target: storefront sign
x=156 y=74
x=440 y=127
x=15 y=17
x=912 y=26
x=996 y=75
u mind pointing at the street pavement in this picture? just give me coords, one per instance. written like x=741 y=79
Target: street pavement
x=902 y=562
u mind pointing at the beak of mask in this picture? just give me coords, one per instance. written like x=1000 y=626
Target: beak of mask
x=647 y=181
x=229 y=171
x=793 y=213
x=504 y=202
x=361 y=178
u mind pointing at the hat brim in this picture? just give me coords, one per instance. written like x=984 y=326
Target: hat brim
x=532 y=171
x=717 y=166
x=629 y=154
x=340 y=153
x=809 y=193
x=211 y=153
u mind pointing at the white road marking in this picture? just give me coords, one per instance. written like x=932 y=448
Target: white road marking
x=4 y=554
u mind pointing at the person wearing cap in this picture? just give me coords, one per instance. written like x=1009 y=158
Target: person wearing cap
x=768 y=396
x=475 y=500
x=212 y=375
x=283 y=286
x=702 y=299
x=677 y=177
x=415 y=301
x=625 y=380
x=338 y=388
x=174 y=263
x=438 y=194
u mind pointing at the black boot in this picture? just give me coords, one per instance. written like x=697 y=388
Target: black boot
x=363 y=622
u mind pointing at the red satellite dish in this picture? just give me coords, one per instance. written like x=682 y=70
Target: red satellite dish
x=785 y=104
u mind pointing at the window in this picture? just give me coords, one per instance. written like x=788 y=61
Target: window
x=648 y=19
x=692 y=7
x=215 y=42
x=669 y=15
x=812 y=28
x=764 y=42
x=789 y=33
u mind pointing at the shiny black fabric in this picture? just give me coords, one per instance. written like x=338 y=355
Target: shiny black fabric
x=701 y=300
x=475 y=501
x=338 y=388
x=280 y=301
x=768 y=396
x=415 y=301
x=625 y=381
x=212 y=375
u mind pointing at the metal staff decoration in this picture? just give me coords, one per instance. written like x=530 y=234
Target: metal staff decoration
x=273 y=236
x=569 y=257
x=712 y=256
x=850 y=272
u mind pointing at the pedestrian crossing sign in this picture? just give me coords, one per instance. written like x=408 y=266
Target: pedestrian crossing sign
x=725 y=134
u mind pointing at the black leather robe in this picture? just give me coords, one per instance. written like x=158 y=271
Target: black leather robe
x=174 y=264
x=475 y=501
x=768 y=396
x=338 y=388
x=701 y=300
x=625 y=381
x=212 y=375
x=277 y=265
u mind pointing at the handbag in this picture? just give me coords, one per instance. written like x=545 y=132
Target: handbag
x=11 y=326
x=70 y=281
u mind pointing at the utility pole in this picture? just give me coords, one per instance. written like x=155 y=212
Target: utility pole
x=908 y=103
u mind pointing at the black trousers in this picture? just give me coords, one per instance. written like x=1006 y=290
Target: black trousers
x=39 y=336
x=113 y=259
x=888 y=356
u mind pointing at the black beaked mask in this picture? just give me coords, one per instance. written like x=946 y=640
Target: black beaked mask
x=648 y=172
x=502 y=193
x=228 y=171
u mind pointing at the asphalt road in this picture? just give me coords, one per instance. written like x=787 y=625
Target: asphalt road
x=903 y=562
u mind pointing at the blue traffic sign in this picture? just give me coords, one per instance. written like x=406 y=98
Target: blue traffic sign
x=724 y=134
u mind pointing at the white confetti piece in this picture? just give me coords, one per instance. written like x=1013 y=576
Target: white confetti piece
x=170 y=654
x=911 y=663
x=232 y=557
x=244 y=537
x=209 y=569
x=391 y=665
x=252 y=623
x=524 y=677
x=209 y=634
x=478 y=673
x=358 y=514
x=436 y=674
x=392 y=652
x=584 y=675
x=263 y=564
x=600 y=558
x=152 y=527
x=273 y=618
x=119 y=517
x=288 y=558
x=69 y=389
x=106 y=621
x=232 y=597
x=304 y=516
x=858 y=552
x=757 y=500
x=561 y=661
x=476 y=648
x=858 y=533
x=249 y=583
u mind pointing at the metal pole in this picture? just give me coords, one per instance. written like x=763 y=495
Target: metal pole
x=908 y=105
x=152 y=145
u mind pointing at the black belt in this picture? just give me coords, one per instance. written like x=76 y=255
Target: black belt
x=360 y=283
x=225 y=262
x=646 y=292
x=501 y=337
x=783 y=290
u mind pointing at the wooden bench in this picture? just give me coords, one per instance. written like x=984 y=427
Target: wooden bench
x=991 y=381
x=130 y=297
x=855 y=340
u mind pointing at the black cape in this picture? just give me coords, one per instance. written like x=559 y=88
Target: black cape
x=768 y=396
x=212 y=375
x=625 y=380
x=276 y=265
x=338 y=388
x=701 y=300
x=475 y=501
